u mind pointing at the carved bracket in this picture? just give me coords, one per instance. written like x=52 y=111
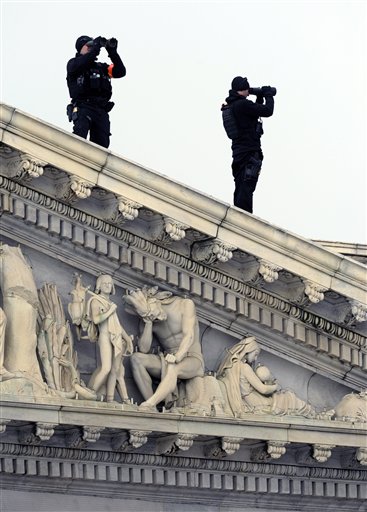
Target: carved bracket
x=356 y=313
x=3 y=424
x=174 y=229
x=121 y=210
x=361 y=456
x=306 y=293
x=322 y=452
x=24 y=168
x=269 y=271
x=273 y=450
x=276 y=449
x=167 y=231
x=131 y=440
x=91 y=434
x=45 y=430
x=314 y=291
x=34 y=434
x=231 y=445
x=171 y=444
x=72 y=188
x=211 y=251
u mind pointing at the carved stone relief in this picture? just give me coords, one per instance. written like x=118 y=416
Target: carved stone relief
x=209 y=252
x=174 y=378
x=166 y=231
x=24 y=167
x=70 y=189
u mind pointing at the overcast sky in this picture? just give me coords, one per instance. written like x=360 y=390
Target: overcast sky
x=181 y=57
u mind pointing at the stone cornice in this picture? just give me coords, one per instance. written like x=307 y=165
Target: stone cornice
x=284 y=430
x=153 y=478
x=205 y=214
x=170 y=462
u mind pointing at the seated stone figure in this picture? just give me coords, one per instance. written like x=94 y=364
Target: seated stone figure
x=173 y=322
x=250 y=391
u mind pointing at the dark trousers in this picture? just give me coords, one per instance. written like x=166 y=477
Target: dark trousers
x=246 y=173
x=96 y=122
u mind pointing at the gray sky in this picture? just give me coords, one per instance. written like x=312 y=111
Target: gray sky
x=180 y=59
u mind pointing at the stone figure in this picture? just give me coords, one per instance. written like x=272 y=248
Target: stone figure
x=56 y=347
x=76 y=307
x=4 y=374
x=20 y=301
x=255 y=391
x=174 y=323
x=352 y=407
x=103 y=326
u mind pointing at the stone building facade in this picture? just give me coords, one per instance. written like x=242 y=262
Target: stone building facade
x=97 y=253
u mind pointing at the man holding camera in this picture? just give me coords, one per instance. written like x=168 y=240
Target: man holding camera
x=243 y=126
x=90 y=89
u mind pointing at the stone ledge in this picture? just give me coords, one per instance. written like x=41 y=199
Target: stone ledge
x=285 y=429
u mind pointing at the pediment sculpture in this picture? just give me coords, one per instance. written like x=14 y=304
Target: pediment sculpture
x=38 y=356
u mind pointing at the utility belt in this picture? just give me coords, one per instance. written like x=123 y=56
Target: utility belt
x=72 y=109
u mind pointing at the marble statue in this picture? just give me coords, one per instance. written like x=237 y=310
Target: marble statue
x=352 y=407
x=20 y=301
x=56 y=347
x=255 y=391
x=4 y=373
x=97 y=315
x=173 y=321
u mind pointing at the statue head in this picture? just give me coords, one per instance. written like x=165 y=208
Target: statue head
x=245 y=350
x=148 y=303
x=103 y=280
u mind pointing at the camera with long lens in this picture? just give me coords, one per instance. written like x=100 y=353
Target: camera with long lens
x=257 y=91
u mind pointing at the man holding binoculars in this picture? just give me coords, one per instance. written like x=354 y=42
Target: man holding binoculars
x=90 y=89
x=243 y=126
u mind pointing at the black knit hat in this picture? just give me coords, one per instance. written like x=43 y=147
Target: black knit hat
x=81 y=41
x=240 y=84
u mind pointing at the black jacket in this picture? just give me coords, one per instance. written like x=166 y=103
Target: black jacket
x=88 y=79
x=247 y=114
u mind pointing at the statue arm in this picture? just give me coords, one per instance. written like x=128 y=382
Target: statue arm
x=146 y=337
x=255 y=382
x=188 y=329
x=97 y=316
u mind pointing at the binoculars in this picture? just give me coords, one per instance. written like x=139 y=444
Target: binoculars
x=257 y=91
x=110 y=43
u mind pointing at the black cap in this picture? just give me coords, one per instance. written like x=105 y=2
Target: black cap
x=81 y=41
x=240 y=84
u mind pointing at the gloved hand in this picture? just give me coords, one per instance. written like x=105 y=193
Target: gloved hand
x=266 y=90
x=111 y=45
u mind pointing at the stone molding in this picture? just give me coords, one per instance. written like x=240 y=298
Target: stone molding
x=177 y=432
x=116 y=457
x=284 y=317
x=108 y=470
